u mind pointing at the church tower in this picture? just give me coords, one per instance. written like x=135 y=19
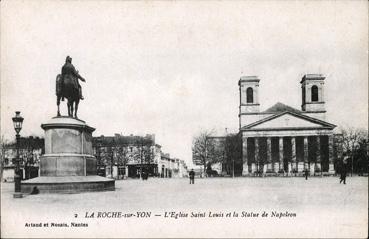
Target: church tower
x=312 y=86
x=249 y=98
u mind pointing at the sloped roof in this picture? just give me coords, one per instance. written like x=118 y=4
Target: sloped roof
x=298 y=115
x=123 y=140
x=279 y=108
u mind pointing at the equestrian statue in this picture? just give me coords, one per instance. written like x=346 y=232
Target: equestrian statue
x=68 y=87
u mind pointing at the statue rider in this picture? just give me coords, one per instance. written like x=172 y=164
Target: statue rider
x=68 y=70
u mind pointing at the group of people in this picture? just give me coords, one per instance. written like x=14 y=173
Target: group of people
x=343 y=171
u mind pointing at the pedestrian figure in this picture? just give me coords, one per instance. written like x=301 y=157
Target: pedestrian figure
x=343 y=169
x=343 y=175
x=306 y=174
x=144 y=175
x=35 y=190
x=192 y=176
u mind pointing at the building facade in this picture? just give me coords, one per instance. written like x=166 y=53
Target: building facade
x=30 y=150
x=282 y=139
x=122 y=156
x=171 y=167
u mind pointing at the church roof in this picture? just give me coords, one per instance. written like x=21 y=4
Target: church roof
x=295 y=114
x=279 y=108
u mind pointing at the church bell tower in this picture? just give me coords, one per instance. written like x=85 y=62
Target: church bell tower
x=312 y=86
x=249 y=98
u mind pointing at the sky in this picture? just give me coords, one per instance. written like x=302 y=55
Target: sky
x=171 y=68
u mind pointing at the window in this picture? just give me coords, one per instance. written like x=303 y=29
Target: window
x=249 y=95
x=314 y=93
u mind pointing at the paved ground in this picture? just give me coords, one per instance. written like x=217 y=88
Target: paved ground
x=318 y=207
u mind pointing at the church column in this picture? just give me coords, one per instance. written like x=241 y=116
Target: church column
x=293 y=159
x=257 y=154
x=245 y=169
x=330 y=156
x=280 y=153
x=318 y=165
x=275 y=164
x=269 y=154
x=253 y=164
x=300 y=163
x=126 y=172
x=306 y=150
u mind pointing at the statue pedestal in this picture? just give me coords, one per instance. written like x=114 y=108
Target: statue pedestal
x=68 y=164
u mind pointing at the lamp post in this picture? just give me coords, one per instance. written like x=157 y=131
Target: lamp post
x=17 y=121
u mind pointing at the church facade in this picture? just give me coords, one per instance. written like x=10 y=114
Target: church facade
x=282 y=139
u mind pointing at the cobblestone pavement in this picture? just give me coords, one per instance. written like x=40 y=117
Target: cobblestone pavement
x=212 y=207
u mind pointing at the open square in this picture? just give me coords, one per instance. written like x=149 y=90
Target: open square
x=317 y=207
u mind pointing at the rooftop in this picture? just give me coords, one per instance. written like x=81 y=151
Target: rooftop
x=249 y=78
x=124 y=140
x=312 y=77
x=279 y=108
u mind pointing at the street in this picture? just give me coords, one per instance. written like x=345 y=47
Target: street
x=212 y=207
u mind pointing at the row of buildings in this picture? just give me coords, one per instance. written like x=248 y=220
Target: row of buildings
x=130 y=156
x=117 y=156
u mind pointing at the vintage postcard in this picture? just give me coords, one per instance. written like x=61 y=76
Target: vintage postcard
x=184 y=119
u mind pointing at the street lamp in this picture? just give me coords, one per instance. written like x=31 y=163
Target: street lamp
x=17 y=121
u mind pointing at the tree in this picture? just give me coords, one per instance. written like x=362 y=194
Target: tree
x=352 y=140
x=3 y=144
x=233 y=153
x=122 y=155
x=144 y=153
x=203 y=149
x=361 y=157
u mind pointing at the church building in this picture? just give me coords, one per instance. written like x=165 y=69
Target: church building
x=282 y=139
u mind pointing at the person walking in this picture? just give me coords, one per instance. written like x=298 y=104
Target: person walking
x=306 y=174
x=344 y=169
x=192 y=176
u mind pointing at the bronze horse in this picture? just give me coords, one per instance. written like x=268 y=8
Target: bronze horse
x=70 y=91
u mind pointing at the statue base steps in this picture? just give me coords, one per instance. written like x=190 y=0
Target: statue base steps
x=70 y=184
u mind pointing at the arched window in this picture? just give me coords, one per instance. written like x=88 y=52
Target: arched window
x=314 y=93
x=249 y=95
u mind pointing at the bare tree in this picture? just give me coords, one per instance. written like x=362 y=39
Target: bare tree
x=3 y=143
x=351 y=138
x=122 y=155
x=144 y=153
x=202 y=145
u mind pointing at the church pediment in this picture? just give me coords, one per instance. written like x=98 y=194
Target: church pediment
x=288 y=120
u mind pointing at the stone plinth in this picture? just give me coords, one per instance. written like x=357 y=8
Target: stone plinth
x=68 y=164
x=70 y=184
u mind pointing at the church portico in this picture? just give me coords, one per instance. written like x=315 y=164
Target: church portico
x=287 y=155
